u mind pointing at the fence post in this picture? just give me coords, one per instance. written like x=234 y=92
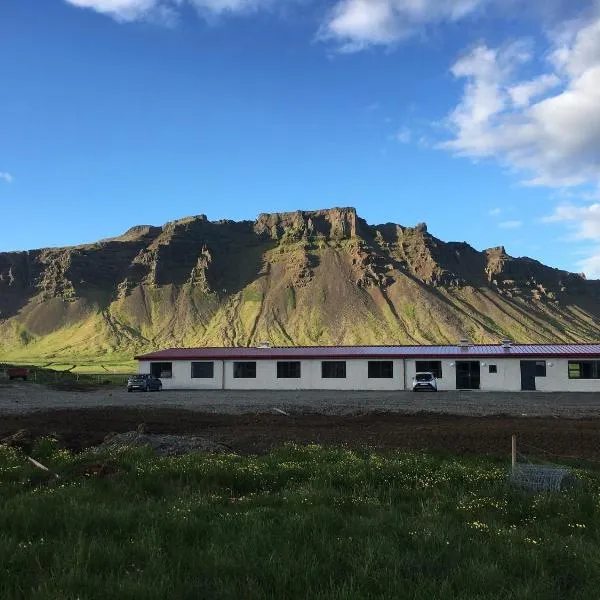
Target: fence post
x=514 y=451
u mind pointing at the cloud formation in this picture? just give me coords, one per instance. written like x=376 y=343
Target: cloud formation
x=510 y=224
x=584 y=221
x=7 y=177
x=356 y=24
x=546 y=126
x=133 y=10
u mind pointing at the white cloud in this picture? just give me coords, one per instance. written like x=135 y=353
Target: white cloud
x=584 y=219
x=6 y=177
x=122 y=10
x=356 y=24
x=591 y=265
x=584 y=222
x=165 y=10
x=404 y=135
x=510 y=224
x=546 y=126
x=495 y=212
x=523 y=93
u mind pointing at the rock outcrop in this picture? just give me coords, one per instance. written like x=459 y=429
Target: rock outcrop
x=304 y=277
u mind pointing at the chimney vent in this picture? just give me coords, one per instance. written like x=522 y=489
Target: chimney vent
x=264 y=345
x=507 y=343
x=464 y=342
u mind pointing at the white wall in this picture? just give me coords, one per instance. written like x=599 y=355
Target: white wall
x=310 y=379
x=182 y=376
x=557 y=379
x=508 y=377
x=266 y=377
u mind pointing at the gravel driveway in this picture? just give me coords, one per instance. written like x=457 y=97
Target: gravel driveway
x=20 y=397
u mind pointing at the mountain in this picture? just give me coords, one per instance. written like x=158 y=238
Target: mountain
x=320 y=277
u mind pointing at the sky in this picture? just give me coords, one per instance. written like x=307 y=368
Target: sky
x=480 y=118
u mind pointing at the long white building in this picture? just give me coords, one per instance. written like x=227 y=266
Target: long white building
x=502 y=367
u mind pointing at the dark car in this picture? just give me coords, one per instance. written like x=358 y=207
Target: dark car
x=145 y=383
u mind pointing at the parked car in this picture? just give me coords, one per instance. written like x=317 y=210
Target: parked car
x=17 y=373
x=424 y=382
x=144 y=382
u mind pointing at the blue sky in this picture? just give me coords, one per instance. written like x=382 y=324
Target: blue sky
x=479 y=117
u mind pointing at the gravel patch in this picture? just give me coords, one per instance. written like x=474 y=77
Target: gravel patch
x=18 y=397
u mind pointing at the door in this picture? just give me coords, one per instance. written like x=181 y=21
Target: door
x=467 y=375
x=528 y=374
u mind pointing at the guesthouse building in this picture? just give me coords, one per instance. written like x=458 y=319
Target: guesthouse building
x=494 y=367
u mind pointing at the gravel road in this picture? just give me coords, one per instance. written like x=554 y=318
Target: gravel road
x=17 y=397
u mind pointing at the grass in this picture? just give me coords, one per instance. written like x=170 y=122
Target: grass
x=65 y=377
x=301 y=522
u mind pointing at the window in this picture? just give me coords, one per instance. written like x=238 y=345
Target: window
x=162 y=370
x=540 y=368
x=430 y=366
x=333 y=369
x=203 y=370
x=493 y=369
x=288 y=370
x=584 y=369
x=244 y=370
x=381 y=369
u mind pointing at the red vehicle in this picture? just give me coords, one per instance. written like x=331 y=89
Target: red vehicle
x=17 y=373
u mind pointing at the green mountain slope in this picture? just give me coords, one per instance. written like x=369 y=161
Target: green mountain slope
x=322 y=277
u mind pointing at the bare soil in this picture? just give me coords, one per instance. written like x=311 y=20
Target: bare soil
x=551 y=426
x=545 y=437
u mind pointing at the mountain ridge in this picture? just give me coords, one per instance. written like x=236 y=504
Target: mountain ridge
x=301 y=277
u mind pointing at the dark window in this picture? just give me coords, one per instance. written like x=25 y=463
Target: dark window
x=244 y=370
x=540 y=368
x=493 y=369
x=203 y=370
x=162 y=370
x=430 y=366
x=584 y=369
x=333 y=369
x=288 y=370
x=381 y=369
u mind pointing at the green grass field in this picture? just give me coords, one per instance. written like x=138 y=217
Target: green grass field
x=65 y=377
x=301 y=522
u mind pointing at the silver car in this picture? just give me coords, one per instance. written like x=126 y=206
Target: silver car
x=424 y=382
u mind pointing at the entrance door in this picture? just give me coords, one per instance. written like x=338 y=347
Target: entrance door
x=528 y=374
x=467 y=375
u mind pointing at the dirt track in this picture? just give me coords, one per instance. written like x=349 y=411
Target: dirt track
x=26 y=397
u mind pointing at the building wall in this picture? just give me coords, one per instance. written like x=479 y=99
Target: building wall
x=507 y=378
x=557 y=379
x=182 y=379
x=266 y=377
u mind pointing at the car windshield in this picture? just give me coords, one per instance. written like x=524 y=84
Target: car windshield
x=424 y=377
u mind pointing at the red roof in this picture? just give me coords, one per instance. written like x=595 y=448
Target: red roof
x=335 y=352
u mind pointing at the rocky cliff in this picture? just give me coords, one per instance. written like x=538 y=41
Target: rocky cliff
x=320 y=277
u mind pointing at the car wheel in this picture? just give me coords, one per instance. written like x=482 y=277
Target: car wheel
x=129 y=389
